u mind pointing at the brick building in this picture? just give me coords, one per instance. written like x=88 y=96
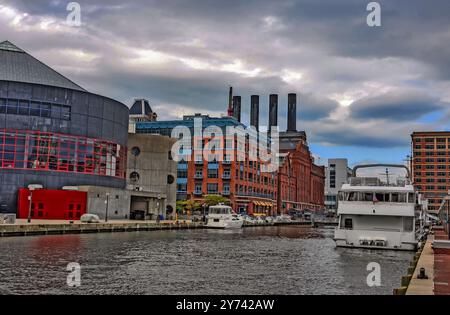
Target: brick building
x=431 y=165
x=241 y=180
x=300 y=181
x=297 y=184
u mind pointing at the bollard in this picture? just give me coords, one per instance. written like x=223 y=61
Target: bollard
x=422 y=274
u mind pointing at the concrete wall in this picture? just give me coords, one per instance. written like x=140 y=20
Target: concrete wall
x=153 y=166
x=118 y=202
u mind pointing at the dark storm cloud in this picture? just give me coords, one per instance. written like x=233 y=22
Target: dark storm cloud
x=398 y=105
x=322 y=50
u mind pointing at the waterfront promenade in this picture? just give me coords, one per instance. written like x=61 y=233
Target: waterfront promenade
x=435 y=259
x=51 y=227
x=54 y=227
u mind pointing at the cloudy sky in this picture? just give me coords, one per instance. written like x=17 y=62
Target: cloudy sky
x=361 y=90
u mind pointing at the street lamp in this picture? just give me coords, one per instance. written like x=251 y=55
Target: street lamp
x=30 y=198
x=106 y=202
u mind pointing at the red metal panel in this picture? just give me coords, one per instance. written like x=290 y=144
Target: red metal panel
x=49 y=204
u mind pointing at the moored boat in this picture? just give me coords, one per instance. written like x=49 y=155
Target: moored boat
x=377 y=215
x=223 y=217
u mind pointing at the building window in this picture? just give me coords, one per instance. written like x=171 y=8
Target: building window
x=348 y=224
x=213 y=173
x=61 y=153
x=212 y=188
x=34 y=108
x=170 y=179
x=198 y=189
x=181 y=188
x=135 y=151
x=182 y=173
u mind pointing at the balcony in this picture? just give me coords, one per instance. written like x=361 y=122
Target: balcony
x=226 y=162
x=198 y=162
x=225 y=193
x=226 y=176
x=198 y=176
x=198 y=193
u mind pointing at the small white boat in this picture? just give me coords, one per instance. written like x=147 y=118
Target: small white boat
x=223 y=217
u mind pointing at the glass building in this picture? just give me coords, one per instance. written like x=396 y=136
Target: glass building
x=53 y=132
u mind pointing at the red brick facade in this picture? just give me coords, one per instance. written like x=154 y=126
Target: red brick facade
x=300 y=181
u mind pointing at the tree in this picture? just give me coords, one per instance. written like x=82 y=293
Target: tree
x=188 y=205
x=213 y=200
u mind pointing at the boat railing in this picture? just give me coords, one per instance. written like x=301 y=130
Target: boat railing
x=375 y=181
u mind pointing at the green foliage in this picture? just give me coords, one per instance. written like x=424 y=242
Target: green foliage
x=213 y=200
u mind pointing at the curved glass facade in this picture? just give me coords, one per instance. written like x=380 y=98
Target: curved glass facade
x=46 y=151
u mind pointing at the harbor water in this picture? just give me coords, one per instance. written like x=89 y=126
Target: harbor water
x=261 y=260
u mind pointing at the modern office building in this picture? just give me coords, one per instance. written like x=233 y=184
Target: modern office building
x=431 y=166
x=54 y=132
x=337 y=173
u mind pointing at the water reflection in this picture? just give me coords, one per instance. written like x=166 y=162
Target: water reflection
x=262 y=260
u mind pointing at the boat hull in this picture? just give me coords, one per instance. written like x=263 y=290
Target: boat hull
x=225 y=224
x=375 y=239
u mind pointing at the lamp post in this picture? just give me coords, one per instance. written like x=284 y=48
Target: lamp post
x=30 y=199
x=107 y=203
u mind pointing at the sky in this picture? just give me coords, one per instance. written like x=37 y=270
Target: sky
x=361 y=90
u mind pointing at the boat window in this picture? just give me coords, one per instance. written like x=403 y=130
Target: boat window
x=408 y=224
x=352 y=196
x=394 y=197
x=411 y=198
x=367 y=197
x=401 y=197
x=381 y=197
x=348 y=224
x=341 y=196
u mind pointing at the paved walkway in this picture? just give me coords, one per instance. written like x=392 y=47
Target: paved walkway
x=426 y=260
x=59 y=222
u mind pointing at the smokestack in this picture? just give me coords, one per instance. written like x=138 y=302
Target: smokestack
x=273 y=111
x=254 y=111
x=292 y=112
x=237 y=108
x=230 y=102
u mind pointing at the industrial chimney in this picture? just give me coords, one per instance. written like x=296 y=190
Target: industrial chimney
x=237 y=108
x=230 y=102
x=292 y=112
x=273 y=111
x=254 y=111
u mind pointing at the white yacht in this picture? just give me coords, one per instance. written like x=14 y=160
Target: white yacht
x=375 y=214
x=223 y=217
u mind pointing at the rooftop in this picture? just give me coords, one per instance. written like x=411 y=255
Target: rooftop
x=18 y=66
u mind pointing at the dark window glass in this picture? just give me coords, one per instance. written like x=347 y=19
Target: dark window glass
x=35 y=109
x=24 y=107
x=45 y=110
x=348 y=224
x=56 y=111
x=2 y=106
x=65 y=112
x=12 y=106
